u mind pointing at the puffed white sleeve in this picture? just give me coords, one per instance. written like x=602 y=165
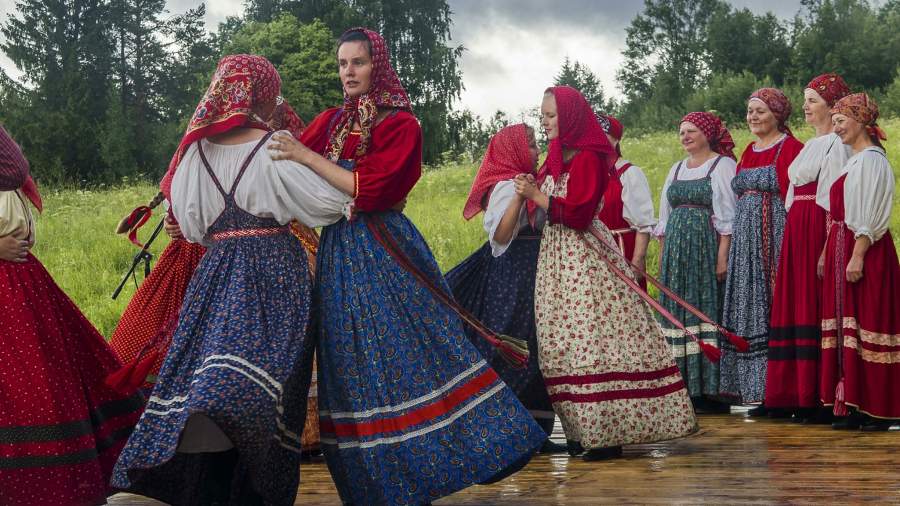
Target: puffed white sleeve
x=194 y=200
x=294 y=191
x=724 y=200
x=868 y=195
x=637 y=200
x=500 y=200
x=832 y=167
x=665 y=208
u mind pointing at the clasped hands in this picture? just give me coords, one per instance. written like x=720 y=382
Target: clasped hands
x=526 y=186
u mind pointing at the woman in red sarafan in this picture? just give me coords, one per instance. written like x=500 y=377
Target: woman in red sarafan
x=792 y=372
x=61 y=427
x=861 y=300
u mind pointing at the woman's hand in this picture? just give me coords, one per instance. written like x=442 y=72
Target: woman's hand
x=855 y=269
x=172 y=228
x=285 y=147
x=721 y=268
x=526 y=187
x=13 y=249
x=820 y=265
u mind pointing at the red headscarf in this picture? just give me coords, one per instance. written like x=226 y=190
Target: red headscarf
x=778 y=103
x=614 y=128
x=14 y=170
x=716 y=133
x=506 y=157
x=385 y=90
x=578 y=129
x=240 y=82
x=830 y=87
x=864 y=110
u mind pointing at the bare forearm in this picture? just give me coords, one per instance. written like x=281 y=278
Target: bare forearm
x=508 y=223
x=861 y=246
x=342 y=179
x=641 y=241
x=724 y=246
x=541 y=200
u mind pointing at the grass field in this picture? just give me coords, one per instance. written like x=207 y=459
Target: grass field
x=77 y=244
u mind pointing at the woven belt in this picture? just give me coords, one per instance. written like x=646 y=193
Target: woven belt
x=804 y=197
x=692 y=206
x=248 y=232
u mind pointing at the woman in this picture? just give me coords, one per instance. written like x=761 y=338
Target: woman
x=609 y=372
x=225 y=418
x=496 y=283
x=409 y=410
x=861 y=303
x=696 y=211
x=792 y=372
x=61 y=428
x=761 y=183
x=627 y=204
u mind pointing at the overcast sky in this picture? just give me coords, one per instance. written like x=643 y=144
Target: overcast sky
x=514 y=47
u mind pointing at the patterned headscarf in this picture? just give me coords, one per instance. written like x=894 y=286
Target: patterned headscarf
x=506 y=157
x=240 y=82
x=716 y=133
x=778 y=103
x=14 y=170
x=612 y=127
x=864 y=110
x=830 y=87
x=385 y=90
x=578 y=129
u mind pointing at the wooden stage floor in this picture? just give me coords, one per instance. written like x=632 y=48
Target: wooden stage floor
x=731 y=460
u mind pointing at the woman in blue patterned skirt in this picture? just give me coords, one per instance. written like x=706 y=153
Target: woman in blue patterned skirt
x=223 y=424
x=496 y=283
x=409 y=409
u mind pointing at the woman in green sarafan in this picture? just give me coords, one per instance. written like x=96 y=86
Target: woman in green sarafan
x=695 y=216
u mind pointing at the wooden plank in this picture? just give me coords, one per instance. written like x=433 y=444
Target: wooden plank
x=731 y=460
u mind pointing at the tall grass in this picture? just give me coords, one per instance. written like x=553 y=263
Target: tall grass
x=77 y=244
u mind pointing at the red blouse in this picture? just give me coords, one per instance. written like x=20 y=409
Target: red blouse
x=789 y=151
x=588 y=176
x=387 y=173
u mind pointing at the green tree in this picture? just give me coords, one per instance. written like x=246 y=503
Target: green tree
x=739 y=41
x=580 y=77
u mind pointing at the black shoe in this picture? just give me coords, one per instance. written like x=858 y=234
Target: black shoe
x=551 y=447
x=704 y=406
x=758 y=411
x=574 y=448
x=822 y=416
x=850 y=422
x=876 y=425
x=595 y=454
x=778 y=413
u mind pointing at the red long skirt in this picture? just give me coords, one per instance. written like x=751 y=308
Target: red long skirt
x=861 y=327
x=792 y=373
x=152 y=314
x=61 y=428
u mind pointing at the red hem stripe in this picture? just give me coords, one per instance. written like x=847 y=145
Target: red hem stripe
x=612 y=376
x=399 y=423
x=614 y=395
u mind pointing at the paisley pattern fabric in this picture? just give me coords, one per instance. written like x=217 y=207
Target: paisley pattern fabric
x=500 y=292
x=240 y=355
x=608 y=369
x=752 y=263
x=688 y=267
x=410 y=411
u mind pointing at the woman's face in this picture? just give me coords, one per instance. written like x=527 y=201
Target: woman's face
x=549 y=119
x=692 y=139
x=847 y=128
x=533 y=151
x=355 y=67
x=815 y=109
x=760 y=119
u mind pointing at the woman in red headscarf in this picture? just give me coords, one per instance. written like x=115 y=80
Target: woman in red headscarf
x=792 y=372
x=627 y=203
x=761 y=184
x=696 y=212
x=61 y=428
x=496 y=283
x=410 y=411
x=610 y=374
x=861 y=302
x=224 y=421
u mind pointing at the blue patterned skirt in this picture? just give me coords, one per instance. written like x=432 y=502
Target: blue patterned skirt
x=499 y=291
x=240 y=356
x=410 y=411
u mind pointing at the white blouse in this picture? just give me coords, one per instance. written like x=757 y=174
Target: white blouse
x=723 y=198
x=501 y=199
x=15 y=216
x=279 y=189
x=822 y=158
x=636 y=198
x=868 y=193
